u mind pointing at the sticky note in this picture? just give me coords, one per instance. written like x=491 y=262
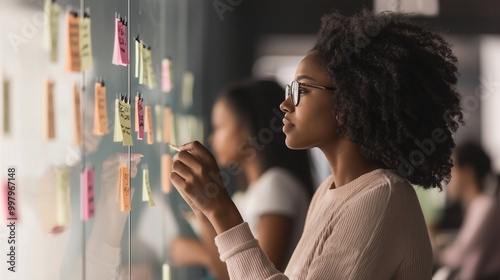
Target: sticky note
x=136 y=115
x=187 y=90
x=77 y=118
x=167 y=115
x=122 y=40
x=118 y=187
x=73 y=61
x=87 y=194
x=142 y=69
x=146 y=189
x=166 y=80
x=151 y=74
x=49 y=125
x=166 y=169
x=62 y=193
x=159 y=120
x=6 y=106
x=140 y=115
x=149 y=124
x=125 y=189
x=173 y=128
x=120 y=49
x=46 y=23
x=137 y=57
x=165 y=272
x=85 y=44
x=117 y=135
x=100 y=110
x=51 y=23
x=125 y=124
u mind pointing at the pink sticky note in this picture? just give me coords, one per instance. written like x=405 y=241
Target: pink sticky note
x=165 y=75
x=87 y=194
x=140 y=113
x=122 y=40
x=116 y=46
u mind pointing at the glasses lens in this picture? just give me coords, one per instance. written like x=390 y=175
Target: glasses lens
x=295 y=93
x=287 y=92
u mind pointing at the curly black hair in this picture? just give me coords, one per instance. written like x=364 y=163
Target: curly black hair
x=395 y=93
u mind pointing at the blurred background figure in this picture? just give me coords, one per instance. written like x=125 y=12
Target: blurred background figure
x=475 y=252
x=247 y=140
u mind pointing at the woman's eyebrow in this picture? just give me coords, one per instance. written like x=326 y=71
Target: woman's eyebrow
x=301 y=77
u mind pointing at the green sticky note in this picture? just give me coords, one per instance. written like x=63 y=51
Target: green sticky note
x=85 y=44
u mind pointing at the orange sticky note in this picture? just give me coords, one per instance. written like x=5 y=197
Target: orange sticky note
x=120 y=165
x=49 y=131
x=100 y=111
x=77 y=118
x=167 y=114
x=124 y=190
x=73 y=60
x=149 y=125
x=166 y=169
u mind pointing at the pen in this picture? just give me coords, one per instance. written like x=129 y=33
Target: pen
x=177 y=148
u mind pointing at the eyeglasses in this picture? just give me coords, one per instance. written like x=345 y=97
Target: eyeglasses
x=293 y=90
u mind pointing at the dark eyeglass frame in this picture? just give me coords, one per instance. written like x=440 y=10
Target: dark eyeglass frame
x=293 y=90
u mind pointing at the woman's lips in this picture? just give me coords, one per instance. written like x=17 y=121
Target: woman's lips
x=287 y=125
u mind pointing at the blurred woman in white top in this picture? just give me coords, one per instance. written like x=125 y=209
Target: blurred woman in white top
x=247 y=140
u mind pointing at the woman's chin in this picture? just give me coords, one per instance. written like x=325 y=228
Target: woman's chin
x=294 y=145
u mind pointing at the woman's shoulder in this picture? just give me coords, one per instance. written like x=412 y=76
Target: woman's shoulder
x=278 y=181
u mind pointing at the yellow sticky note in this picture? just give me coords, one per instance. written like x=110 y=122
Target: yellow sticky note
x=187 y=90
x=146 y=189
x=166 y=169
x=165 y=272
x=46 y=23
x=62 y=189
x=85 y=44
x=51 y=23
x=142 y=67
x=173 y=129
x=125 y=189
x=149 y=125
x=49 y=131
x=137 y=57
x=125 y=124
x=159 y=119
x=151 y=74
x=77 y=118
x=6 y=106
x=117 y=136
x=73 y=61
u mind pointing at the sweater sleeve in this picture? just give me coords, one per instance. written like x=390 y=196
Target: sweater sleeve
x=244 y=257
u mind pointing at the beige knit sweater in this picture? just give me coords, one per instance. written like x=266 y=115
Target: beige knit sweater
x=370 y=228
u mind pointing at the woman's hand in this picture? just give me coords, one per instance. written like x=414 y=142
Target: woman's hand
x=196 y=176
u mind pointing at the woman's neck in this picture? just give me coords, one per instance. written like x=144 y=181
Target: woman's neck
x=253 y=169
x=346 y=162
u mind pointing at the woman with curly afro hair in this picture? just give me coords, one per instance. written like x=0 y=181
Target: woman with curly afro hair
x=377 y=95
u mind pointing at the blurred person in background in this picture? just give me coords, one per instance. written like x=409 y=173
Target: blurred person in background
x=247 y=138
x=475 y=253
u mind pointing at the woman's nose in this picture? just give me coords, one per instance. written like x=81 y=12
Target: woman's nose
x=286 y=106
